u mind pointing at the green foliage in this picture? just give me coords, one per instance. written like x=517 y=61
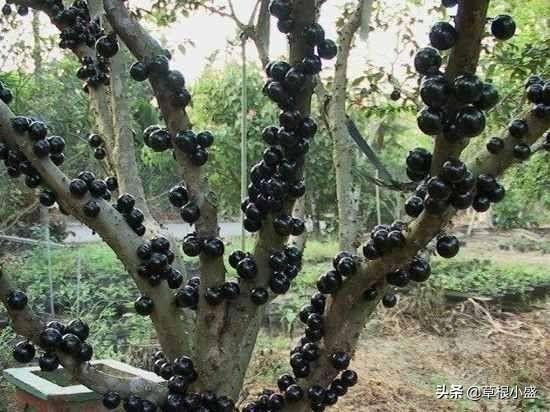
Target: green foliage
x=485 y=276
x=507 y=65
x=104 y=288
x=217 y=106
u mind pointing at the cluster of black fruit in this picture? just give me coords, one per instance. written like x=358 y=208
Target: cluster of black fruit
x=125 y=205
x=194 y=145
x=304 y=355
x=537 y=90
x=454 y=109
x=69 y=339
x=95 y=73
x=75 y=23
x=290 y=391
x=276 y=177
x=503 y=26
x=180 y=374
x=188 y=296
x=314 y=34
x=42 y=146
x=455 y=186
x=17 y=163
x=158 y=138
x=86 y=182
x=384 y=239
x=96 y=142
x=22 y=10
x=156 y=260
x=157 y=68
x=189 y=212
x=5 y=93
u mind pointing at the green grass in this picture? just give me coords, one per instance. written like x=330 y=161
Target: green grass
x=485 y=276
x=105 y=285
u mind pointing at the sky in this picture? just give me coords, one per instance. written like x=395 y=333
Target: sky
x=210 y=34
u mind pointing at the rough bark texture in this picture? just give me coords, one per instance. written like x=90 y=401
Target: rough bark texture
x=344 y=150
x=470 y=23
x=112 y=228
x=243 y=318
x=209 y=318
x=123 y=149
x=300 y=212
x=261 y=35
x=27 y=325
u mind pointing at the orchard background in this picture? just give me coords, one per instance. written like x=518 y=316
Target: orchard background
x=480 y=318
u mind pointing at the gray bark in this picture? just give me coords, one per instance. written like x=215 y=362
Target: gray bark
x=343 y=153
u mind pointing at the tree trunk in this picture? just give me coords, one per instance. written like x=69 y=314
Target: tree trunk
x=299 y=211
x=343 y=154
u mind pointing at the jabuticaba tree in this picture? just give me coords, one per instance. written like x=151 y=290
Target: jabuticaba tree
x=207 y=325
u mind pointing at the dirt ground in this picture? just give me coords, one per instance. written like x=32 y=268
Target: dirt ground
x=401 y=363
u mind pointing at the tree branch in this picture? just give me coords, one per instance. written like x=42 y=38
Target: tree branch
x=26 y=324
x=470 y=22
x=346 y=311
x=210 y=319
x=111 y=227
x=348 y=228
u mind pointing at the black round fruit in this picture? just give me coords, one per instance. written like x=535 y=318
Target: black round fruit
x=470 y=122
x=48 y=362
x=144 y=305
x=489 y=97
x=429 y=121
x=231 y=290
x=349 y=378
x=518 y=128
x=259 y=296
x=190 y=212
x=339 y=360
x=447 y=246
x=247 y=268
x=495 y=145
x=24 y=352
x=503 y=27
x=327 y=49
x=16 y=299
x=427 y=61
x=314 y=34
x=414 y=206
x=443 y=36
x=139 y=71
x=435 y=91
x=294 y=393
x=50 y=338
x=95 y=140
x=389 y=300
x=213 y=248
x=111 y=400
x=468 y=88
x=70 y=343
x=107 y=46
x=91 y=208
x=522 y=151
